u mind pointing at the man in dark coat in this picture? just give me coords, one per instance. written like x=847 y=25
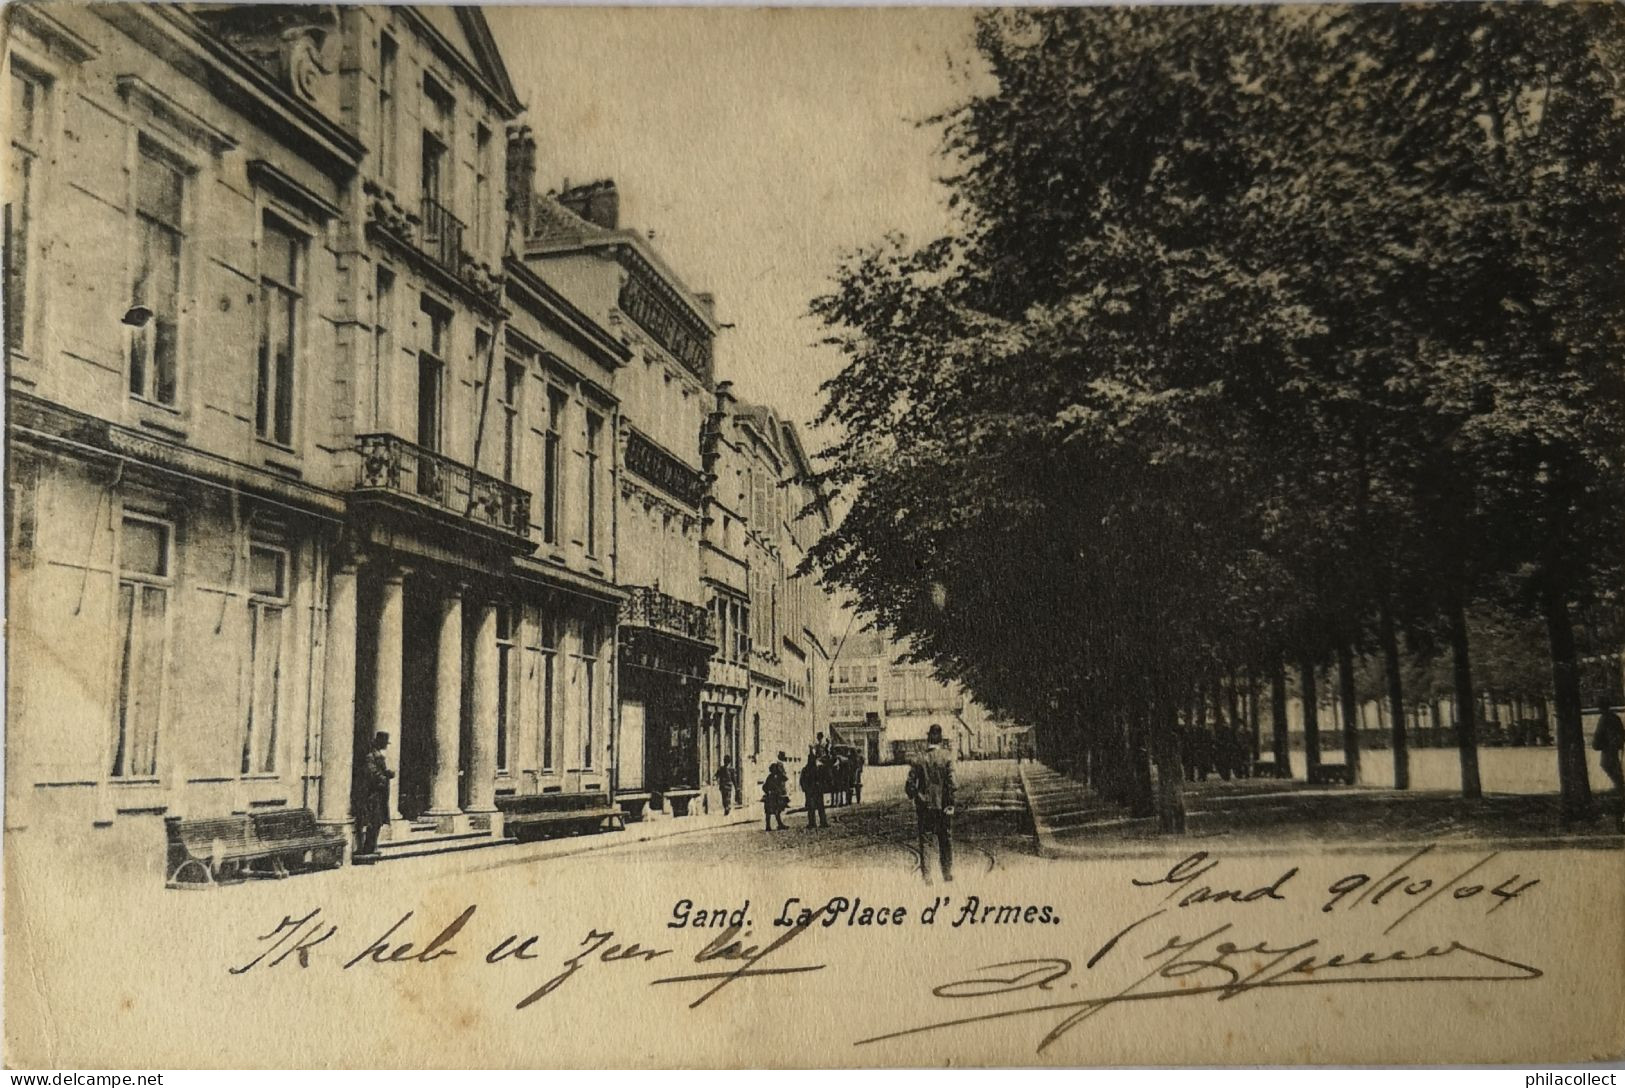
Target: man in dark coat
x=931 y=786
x=726 y=780
x=372 y=813
x=814 y=776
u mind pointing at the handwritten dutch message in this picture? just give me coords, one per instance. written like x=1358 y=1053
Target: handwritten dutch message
x=1197 y=937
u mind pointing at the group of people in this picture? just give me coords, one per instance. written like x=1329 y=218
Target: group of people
x=824 y=773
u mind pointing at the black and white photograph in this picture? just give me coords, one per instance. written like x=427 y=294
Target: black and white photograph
x=725 y=538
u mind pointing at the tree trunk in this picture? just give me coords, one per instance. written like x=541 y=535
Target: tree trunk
x=1351 y=714
x=1396 y=697
x=1282 y=745
x=1252 y=713
x=1571 y=751
x=1170 y=776
x=1466 y=730
x=1311 y=718
x=1142 y=797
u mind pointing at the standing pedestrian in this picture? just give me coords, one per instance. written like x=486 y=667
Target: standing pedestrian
x=373 y=811
x=725 y=783
x=812 y=788
x=931 y=786
x=1608 y=740
x=775 y=796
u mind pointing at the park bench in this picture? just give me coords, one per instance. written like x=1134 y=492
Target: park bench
x=205 y=850
x=1328 y=774
x=528 y=816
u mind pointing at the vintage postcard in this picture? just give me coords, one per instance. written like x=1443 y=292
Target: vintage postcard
x=585 y=537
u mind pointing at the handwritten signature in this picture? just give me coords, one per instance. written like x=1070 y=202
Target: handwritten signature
x=1207 y=966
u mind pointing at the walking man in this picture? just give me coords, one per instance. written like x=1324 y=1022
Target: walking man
x=1608 y=740
x=725 y=782
x=931 y=786
x=373 y=811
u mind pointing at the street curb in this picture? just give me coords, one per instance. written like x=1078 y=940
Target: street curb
x=1043 y=835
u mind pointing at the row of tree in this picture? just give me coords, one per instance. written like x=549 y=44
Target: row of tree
x=1270 y=337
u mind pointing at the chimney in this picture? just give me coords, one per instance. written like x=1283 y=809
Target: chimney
x=725 y=396
x=597 y=202
x=708 y=301
x=521 y=176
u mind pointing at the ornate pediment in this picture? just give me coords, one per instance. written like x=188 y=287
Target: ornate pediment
x=298 y=45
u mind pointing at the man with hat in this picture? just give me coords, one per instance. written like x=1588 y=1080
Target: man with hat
x=931 y=786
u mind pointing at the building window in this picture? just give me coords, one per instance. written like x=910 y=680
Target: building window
x=874 y=674
x=506 y=691
x=431 y=175
x=160 y=191
x=386 y=109
x=27 y=141
x=595 y=435
x=742 y=633
x=589 y=692
x=548 y=685
x=551 y=462
x=755 y=735
x=440 y=109
x=383 y=341
x=267 y=611
x=431 y=378
x=143 y=605
x=281 y=250
x=482 y=184
x=513 y=387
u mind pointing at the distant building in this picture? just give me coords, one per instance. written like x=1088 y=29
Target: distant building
x=855 y=710
x=886 y=705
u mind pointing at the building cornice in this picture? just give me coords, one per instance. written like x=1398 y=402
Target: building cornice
x=180 y=39
x=42 y=422
x=549 y=306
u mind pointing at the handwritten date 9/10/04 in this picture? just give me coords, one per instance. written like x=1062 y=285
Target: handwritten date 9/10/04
x=1219 y=962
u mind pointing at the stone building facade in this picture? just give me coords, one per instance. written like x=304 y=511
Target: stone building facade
x=665 y=395
x=324 y=423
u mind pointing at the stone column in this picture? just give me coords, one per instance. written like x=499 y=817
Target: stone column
x=448 y=708
x=338 y=700
x=386 y=716
x=482 y=764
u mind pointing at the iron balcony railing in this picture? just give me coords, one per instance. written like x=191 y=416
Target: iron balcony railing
x=441 y=235
x=393 y=464
x=648 y=607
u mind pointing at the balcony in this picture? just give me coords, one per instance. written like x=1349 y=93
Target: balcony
x=648 y=607
x=441 y=236
x=400 y=469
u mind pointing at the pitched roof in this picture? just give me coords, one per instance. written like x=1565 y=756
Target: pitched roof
x=464 y=33
x=551 y=222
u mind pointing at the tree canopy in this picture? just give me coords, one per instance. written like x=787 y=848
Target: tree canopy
x=1263 y=324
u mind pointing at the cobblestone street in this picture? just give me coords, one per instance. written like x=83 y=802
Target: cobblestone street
x=991 y=828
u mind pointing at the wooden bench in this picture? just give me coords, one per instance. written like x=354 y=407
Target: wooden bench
x=1328 y=774
x=203 y=851
x=292 y=835
x=528 y=816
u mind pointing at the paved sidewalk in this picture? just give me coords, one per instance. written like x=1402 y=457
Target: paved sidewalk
x=1265 y=815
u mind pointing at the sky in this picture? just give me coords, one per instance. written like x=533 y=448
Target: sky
x=755 y=145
